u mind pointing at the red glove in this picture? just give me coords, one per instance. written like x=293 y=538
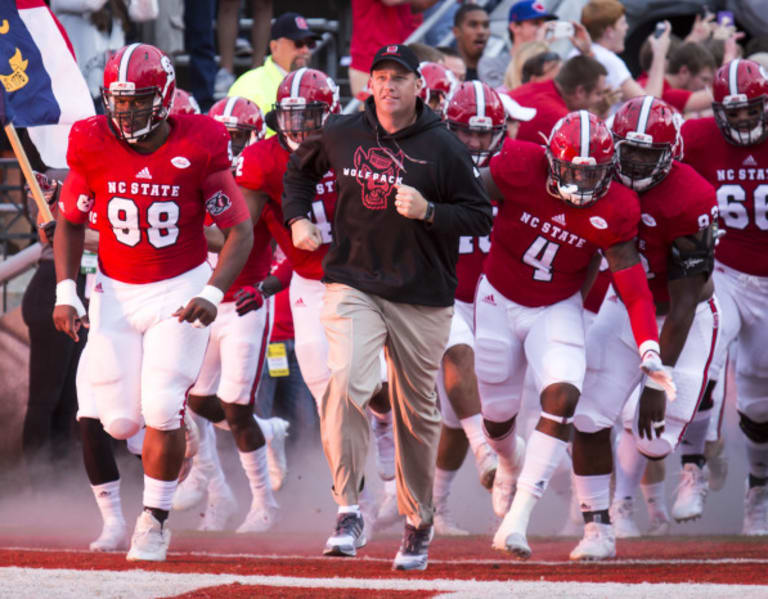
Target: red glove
x=248 y=298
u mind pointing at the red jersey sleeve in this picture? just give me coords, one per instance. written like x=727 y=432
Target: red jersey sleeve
x=253 y=165
x=76 y=198
x=220 y=145
x=223 y=200
x=616 y=220
x=698 y=209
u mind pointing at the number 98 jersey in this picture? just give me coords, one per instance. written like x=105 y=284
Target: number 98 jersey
x=739 y=175
x=149 y=208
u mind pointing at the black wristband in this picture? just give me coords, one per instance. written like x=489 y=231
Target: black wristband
x=430 y=211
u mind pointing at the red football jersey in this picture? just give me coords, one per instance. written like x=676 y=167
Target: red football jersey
x=262 y=167
x=541 y=246
x=682 y=204
x=550 y=108
x=469 y=267
x=740 y=177
x=256 y=268
x=149 y=208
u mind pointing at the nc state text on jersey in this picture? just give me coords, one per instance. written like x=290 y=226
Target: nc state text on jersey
x=742 y=174
x=159 y=190
x=555 y=232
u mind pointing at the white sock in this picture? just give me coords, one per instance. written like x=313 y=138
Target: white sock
x=349 y=509
x=265 y=424
x=108 y=500
x=520 y=511
x=696 y=435
x=473 y=428
x=159 y=493
x=390 y=487
x=255 y=466
x=594 y=492
x=630 y=465
x=442 y=485
x=542 y=457
x=655 y=497
x=504 y=448
x=757 y=458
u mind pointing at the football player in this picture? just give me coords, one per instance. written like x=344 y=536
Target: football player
x=676 y=238
x=558 y=207
x=146 y=184
x=184 y=103
x=439 y=85
x=730 y=150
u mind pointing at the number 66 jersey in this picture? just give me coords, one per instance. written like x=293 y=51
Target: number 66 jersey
x=149 y=208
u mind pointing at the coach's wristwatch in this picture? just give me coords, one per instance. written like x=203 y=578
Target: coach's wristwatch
x=430 y=213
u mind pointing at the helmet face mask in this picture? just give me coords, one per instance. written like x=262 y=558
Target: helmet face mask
x=243 y=120
x=640 y=167
x=298 y=120
x=439 y=84
x=740 y=102
x=133 y=113
x=579 y=184
x=476 y=115
x=481 y=141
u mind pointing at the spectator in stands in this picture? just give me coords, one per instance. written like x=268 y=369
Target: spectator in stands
x=513 y=77
x=580 y=84
x=471 y=27
x=455 y=63
x=607 y=26
x=198 y=42
x=526 y=24
x=227 y=25
x=541 y=67
x=376 y=23
x=291 y=43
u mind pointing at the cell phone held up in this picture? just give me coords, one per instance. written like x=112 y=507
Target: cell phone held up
x=559 y=30
x=660 y=29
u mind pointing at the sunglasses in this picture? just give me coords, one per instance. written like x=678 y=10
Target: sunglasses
x=310 y=43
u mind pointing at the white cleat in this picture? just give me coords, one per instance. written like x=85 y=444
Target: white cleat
x=487 y=462
x=277 y=464
x=658 y=524
x=385 y=446
x=150 y=540
x=221 y=506
x=505 y=482
x=756 y=512
x=598 y=543
x=622 y=516
x=444 y=524
x=259 y=519
x=113 y=537
x=690 y=495
x=509 y=539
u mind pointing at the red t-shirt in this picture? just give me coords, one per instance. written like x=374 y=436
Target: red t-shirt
x=550 y=108
x=263 y=166
x=682 y=204
x=739 y=175
x=541 y=246
x=469 y=267
x=149 y=208
x=673 y=96
x=375 y=25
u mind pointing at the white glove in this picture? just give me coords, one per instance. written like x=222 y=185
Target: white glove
x=659 y=376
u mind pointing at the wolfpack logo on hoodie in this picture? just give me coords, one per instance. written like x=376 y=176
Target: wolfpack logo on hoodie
x=377 y=174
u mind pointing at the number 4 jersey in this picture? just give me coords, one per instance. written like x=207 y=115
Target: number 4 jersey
x=149 y=208
x=541 y=246
x=739 y=175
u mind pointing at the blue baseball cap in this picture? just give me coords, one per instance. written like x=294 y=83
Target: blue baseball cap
x=527 y=10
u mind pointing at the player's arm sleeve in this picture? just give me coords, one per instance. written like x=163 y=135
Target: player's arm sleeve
x=632 y=286
x=223 y=199
x=306 y=167
x=283 y=270
x=76 y=199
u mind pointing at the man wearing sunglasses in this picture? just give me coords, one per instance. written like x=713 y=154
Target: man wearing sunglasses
x=290 y=47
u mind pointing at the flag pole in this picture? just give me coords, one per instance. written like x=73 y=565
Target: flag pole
x=29 y=175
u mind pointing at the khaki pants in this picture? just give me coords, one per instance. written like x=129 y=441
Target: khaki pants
x=414 y=337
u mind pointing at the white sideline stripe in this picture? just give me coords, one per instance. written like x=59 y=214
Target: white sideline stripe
x=32 y=583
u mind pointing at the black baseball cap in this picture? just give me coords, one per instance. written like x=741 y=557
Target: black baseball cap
x=293 y=26
x=398 y=53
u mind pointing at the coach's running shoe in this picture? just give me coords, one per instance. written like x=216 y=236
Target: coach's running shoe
x=221 y=506
x=113 y=537
x=487 y=463
x=277 y=464
x=348 y=536
x=505 y=481
x=622 y=512
x=381 y=425
x=412 y=554
x=717 y=463
x=150 y=540
x=691 y=493
x=444 y=523
x=259 y=519
x=598 y=543
x=756 y=512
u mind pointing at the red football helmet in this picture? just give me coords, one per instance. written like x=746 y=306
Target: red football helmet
x=184 y=103
x=581 y=156
x=439 y=85
x=646 y=134
x=243 y=120
x=305 y=98
x=476 y=115
x=740 y=102
x=139 y=84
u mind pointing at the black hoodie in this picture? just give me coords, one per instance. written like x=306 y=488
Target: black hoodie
x=375 y=249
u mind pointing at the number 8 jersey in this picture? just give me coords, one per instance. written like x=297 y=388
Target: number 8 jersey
x=541 y=246
x=739 y=175
x=149 y=208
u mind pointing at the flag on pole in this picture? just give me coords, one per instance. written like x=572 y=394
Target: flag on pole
x=40 y=77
